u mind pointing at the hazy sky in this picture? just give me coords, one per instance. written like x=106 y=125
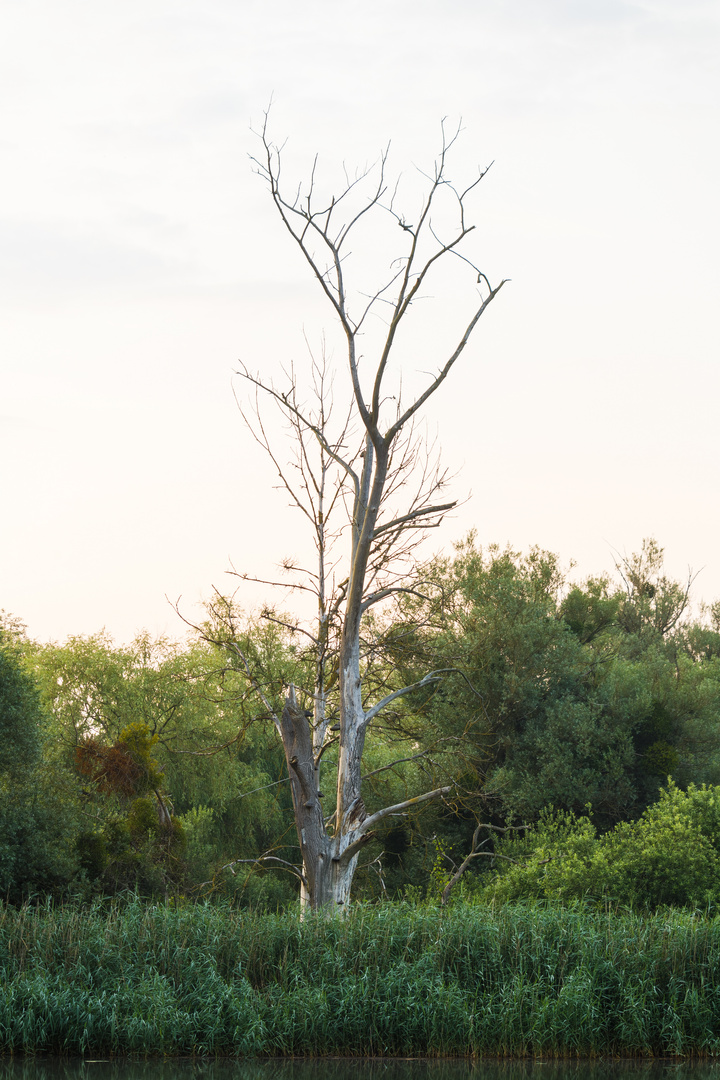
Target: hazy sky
x=140 y=259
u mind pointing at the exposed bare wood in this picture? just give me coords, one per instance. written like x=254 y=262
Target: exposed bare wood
x=476 y=854
x=399 y=761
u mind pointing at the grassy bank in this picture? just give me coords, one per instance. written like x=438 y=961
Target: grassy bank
x=151 y=980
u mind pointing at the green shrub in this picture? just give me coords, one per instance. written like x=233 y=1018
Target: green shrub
x=671 y=856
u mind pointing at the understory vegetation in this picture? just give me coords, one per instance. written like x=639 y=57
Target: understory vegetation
x=576 y=728
x=148 y=979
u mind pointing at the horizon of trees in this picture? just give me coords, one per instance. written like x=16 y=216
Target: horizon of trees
x=154 y=766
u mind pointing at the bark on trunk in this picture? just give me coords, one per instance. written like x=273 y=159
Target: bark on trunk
x=327 y=876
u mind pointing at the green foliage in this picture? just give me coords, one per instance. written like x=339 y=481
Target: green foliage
x=702 y=643
x=439 y=874
x=36 y=813
x=142 y=817
x=20 y=714
x=670 y=856
x=92 y=851
x=564 y=694
x=653 y=604
x=199 y=826
x=155 y=764
x=590 y=610
x=137 y=843
x=157 y=716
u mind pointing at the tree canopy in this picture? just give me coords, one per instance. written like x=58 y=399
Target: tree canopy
x=583 y=709
x=36 y=815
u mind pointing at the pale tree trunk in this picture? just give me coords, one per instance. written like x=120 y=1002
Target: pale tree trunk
x=327 y=876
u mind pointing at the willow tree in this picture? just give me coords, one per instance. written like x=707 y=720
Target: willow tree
x=361 y=475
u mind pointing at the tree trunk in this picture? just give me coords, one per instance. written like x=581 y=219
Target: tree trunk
x=327 y=872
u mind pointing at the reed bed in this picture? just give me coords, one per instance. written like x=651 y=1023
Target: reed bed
x=151 y=980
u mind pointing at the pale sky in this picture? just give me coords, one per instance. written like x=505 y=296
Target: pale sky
x=140 y=259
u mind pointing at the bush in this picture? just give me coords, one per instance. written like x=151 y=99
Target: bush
x=670 y=856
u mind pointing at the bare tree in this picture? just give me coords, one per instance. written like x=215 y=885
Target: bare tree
x=365 y=482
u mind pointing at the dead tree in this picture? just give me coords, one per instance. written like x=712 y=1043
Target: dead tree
x=364 y=481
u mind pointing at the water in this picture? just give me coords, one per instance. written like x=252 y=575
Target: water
x=352 y=1069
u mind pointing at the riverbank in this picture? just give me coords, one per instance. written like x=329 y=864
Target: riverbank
x=391 y=980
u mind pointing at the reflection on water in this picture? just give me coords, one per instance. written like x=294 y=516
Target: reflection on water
x=352 y=1069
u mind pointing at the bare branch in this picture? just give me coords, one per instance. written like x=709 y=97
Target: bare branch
x=431 y=677
x=390 y=590
x=292 y=627
x=475 y=854
x=268 y=858
x=425 y=511
x=400 y=761
x=440 y=378
x=275 y=584
x=286 y=404
x=374 y=819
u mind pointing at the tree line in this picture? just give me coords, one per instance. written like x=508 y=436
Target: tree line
x=567 y=707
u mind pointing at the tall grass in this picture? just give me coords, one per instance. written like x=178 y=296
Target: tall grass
x=151 y=980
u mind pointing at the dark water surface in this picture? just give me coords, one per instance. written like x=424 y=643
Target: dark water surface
x=353 y=1069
